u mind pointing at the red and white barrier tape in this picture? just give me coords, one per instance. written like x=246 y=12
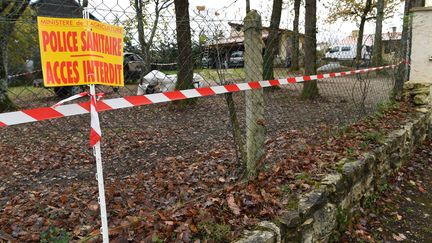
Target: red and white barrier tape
x=23 y=74
x=95 y=131
x=40 y=114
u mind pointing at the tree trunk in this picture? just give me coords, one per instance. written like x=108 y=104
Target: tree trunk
x=145 y=48
x=377 y=49
x=247 y=6
x=255 y=123
x=310 y=88
x=6 y=103
x=236 y=131
x=7 y=26
x=366 y=10
x=273 y=40
x=295 y=48
x=185 y=74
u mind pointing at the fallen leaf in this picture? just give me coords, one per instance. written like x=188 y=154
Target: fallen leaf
x=399 y=217
x=399 y=237
x=232 y=205
x=94 y=207
x=193 y=228
x=169 y=222
x=63 y=199
x=133 y=219
x=421 y=189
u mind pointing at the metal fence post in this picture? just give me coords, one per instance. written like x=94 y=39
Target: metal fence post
x=255 y=129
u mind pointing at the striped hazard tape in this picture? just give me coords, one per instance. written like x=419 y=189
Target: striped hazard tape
x=40 y=114
x=23 y=74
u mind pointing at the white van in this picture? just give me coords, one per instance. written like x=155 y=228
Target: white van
x=348 y=52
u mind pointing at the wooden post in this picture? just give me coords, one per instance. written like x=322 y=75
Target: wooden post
x=255 y=129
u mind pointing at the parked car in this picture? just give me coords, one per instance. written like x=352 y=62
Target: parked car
x=157 y=81
x=133 y=65
x=236 y=59
x=207 y=62
x=348 y=52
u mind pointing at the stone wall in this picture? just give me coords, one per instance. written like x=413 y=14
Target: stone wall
x=321 y=212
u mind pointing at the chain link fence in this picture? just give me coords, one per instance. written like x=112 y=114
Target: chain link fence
x=160 y=157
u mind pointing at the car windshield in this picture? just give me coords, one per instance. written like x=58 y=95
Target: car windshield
x=334 y=49
x=237 y=54
x=346 y=48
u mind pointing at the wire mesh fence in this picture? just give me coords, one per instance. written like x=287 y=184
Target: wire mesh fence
x=158 y=158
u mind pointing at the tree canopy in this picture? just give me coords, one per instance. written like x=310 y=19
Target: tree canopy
x=354 y=9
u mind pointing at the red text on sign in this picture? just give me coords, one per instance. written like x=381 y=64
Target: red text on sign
x=65 y=72
x=59 y=41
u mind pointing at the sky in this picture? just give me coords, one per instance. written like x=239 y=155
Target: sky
x=237 y=8
x=234 y=11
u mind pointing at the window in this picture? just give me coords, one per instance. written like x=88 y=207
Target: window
x=346 y=48
x=237 y=54
x=137 y=58
x=334 y=49
x=128 y=58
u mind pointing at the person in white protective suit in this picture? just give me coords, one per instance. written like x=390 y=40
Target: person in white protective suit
x=157 y=82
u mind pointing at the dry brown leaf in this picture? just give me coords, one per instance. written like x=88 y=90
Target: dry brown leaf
x=63 y=199
x=193 y=228
x=232 y=205
x=399 y=237
x=169 y=222
x=421 y=189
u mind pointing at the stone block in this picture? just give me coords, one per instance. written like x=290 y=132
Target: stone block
x=421 y=99
x=370 y=161
x=352 y=171
x=271 y=227
x=258 y=236
x=422 y=110
x=333 y=182
x=309 y=203
x=421 y=90
x=324 y=222
x=289 y=224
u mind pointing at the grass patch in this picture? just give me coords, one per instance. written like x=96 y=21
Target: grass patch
x=54 y=234
x=304 y=176
x=21 y=92
x=286 y=189
x=293 y=203
x=214 y=231
x=373 y=136
x=384 y=106
x=369 y=201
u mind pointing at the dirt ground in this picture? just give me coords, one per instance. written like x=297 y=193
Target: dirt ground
x=158 y=159
x=402 y=210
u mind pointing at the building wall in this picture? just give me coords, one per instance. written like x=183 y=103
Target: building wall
x=236 y=31
x=421 y=53
x=284 y=47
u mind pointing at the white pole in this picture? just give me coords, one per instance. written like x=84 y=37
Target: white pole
x=99 y=169
x=100 y=180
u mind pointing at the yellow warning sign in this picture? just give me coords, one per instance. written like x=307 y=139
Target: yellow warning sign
x=80 y=52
